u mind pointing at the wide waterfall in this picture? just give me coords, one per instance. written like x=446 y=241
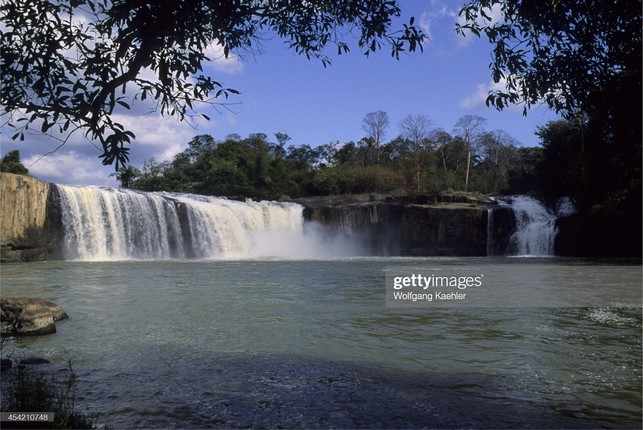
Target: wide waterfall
x=119 y=224
x=535 y=226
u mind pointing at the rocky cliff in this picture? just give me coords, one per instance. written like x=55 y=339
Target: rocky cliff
x=24 y=223
x=423 y=225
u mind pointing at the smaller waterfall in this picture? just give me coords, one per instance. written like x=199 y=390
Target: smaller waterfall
x=535 y=227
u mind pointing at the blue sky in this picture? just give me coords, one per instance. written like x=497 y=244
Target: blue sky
x=284 y=92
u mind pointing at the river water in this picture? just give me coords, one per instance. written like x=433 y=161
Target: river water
x=312 y=343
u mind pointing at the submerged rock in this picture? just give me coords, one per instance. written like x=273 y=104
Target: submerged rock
x=28 y=316
x=34 y=361
x=5 y=364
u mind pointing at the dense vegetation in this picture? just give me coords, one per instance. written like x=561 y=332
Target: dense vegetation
x=583 y=59
x=420 y=159
x=11 y=163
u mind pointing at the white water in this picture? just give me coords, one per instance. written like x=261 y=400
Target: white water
x=535 y=227
x=115 y=224
x=565 y=207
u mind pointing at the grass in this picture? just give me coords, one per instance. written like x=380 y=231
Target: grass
x=26 y=389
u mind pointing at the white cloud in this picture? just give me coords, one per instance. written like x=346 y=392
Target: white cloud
x=230 y=65
x=425 y=24
x=160 y=136
x=479 y=96
x=437 y=12
x=495 y=14
x=70 y=168
x=442 y=15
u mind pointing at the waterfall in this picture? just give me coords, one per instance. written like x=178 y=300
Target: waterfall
x=489 y=231
x=118 y=224
x=535 y=226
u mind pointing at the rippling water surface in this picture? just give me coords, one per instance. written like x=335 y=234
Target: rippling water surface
x=252 y=343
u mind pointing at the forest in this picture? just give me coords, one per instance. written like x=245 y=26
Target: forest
x=421 y=159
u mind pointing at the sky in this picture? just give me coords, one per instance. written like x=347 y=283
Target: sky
x=286 y=93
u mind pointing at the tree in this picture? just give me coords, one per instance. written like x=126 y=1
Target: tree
x=417 y=128
x=126 y=175
x=500 y=153
x=70 y=65
x=556 y=51
x=525 y=175
x=470 y=128
x=375 y=124
x=582 y=58
x=11 y=164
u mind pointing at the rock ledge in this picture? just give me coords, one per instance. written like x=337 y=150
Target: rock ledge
x=28 y=316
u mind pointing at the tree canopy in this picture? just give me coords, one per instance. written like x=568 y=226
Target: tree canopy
x=11 y=163
x=421 y=159
x=583 y=59
x=70 y=64
x=559 y=52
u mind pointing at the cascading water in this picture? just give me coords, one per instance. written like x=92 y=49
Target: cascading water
x=116 y=224
x=535 y=226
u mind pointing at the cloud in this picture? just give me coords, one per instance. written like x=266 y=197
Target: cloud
x=495 y=14
x=442 y=16
x=479 y=96
x=157 y=136
x=438 y=12
x=70 y=168
x=230 y=65
x=425 y=24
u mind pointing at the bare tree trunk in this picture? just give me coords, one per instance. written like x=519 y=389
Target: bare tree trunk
x=417 y=170
x=466 y=180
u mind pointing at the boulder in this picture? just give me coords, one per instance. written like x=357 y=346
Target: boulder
x=25 y=316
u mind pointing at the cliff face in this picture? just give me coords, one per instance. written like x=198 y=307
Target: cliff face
x=449 y=230
x=424 y=226
x=24 y=224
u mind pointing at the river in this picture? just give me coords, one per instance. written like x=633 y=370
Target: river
x=312 y=343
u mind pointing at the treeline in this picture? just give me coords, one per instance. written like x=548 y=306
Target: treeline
x=420 y=159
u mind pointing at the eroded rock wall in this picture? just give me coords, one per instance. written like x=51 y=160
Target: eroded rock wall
x=24 y=223
x=394 y=226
